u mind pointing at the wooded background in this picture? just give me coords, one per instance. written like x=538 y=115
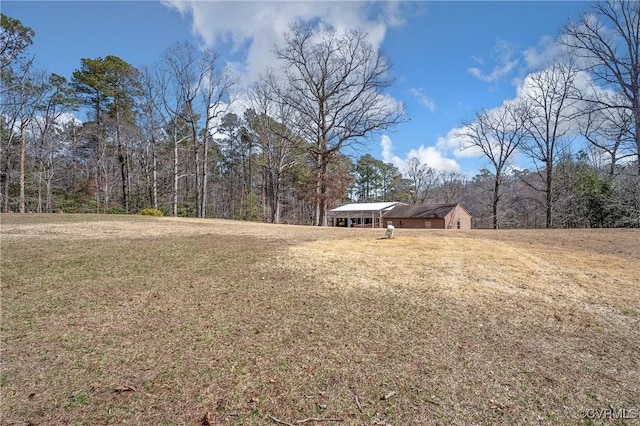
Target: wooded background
x=182 y=137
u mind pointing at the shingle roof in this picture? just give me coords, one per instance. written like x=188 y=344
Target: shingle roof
x=424 y=211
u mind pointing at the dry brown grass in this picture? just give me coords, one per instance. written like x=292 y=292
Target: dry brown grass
x=253 y=322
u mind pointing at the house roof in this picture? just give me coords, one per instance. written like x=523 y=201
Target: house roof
x=364 y=207
x=423 y=211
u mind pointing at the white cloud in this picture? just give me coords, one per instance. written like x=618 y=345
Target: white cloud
x=429 y=155
x=394 y=14
x=433 y=158
x=424 y=99
x=67 y=117
x=387 y=153
x=531 y=62
x=549 y=50
x=36 y=125
x=454 y=142
x=536 y=87
x=252 y=29
x=543 y=54
x=503 y=54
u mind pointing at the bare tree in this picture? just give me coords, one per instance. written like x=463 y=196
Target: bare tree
x=151 y=122
x=23 y=90
x=450 y=188
x=422 y=179
x=216 y=86
x=59 y=100
x=497 y=134
x=280 y=147
x=16 y=97
x=172 y=104
x=607 y=41
x=202 y=93
x=551 y=101
x=610 y=131
x=187 y=81
x=335 y=84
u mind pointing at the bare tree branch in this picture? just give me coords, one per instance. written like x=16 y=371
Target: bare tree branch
x=335 y=85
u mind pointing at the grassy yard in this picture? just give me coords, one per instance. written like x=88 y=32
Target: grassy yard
x=154 y=321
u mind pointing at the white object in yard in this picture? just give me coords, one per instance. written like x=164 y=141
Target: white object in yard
x=389 y=232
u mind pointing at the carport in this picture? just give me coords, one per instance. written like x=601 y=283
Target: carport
x=361 y=214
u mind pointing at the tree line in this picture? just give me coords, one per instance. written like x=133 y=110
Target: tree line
x=591 y=93
x=174 y=136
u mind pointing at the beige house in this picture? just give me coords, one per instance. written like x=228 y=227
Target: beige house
x=430 y=216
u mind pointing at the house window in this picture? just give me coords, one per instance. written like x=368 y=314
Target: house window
x=459 y=223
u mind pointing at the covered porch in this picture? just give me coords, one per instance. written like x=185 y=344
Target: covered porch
x=363 y=215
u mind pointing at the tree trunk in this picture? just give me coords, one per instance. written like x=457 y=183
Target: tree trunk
x=267 y=208
x=49 y=201
x=249 y=182
x=496 y=198
x=175 y=174
x=549 y=200
x=205 y=160
x=127 y=161
x=323 y=193
x=277 y=208
x=196 y=159
x=277 y=198
x=155 y=175
x=39 y=208
x=636 y=113
x=123 y=176
x=22 y=199
x=123 y=165
x=318 y=195
x=5 y=190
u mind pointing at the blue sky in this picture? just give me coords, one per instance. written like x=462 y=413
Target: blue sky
x=450 y=58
